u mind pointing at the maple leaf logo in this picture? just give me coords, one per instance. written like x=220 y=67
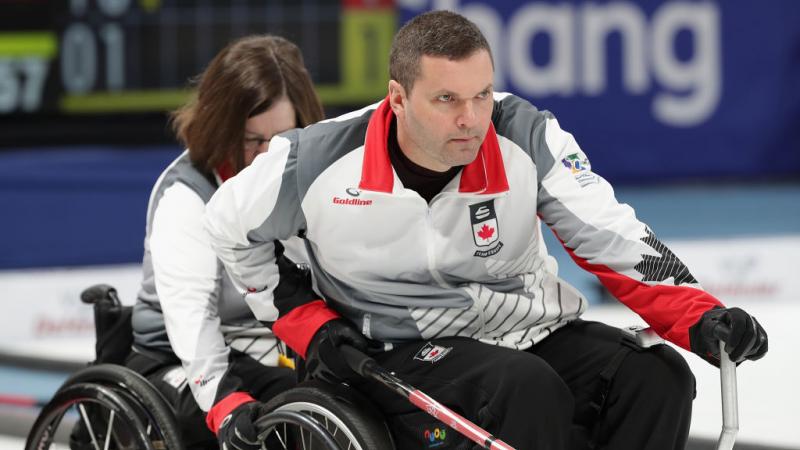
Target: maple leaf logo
x=485 y=232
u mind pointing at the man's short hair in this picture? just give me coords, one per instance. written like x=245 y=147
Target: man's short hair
x=436 y=33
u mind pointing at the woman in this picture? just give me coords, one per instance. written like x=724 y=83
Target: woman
x=195 y=338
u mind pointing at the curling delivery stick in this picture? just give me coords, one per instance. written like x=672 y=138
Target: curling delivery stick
x=368 y=368
x=730 y=402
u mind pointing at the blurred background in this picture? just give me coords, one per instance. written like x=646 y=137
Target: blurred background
x=691 y=109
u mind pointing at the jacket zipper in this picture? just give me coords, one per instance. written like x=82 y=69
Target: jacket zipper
x=430 y=245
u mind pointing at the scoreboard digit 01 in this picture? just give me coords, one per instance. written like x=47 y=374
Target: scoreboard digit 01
x=84 y=57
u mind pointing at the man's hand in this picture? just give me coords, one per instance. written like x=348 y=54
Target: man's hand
x=746 y=340
x=324 y=359
x=237 y=432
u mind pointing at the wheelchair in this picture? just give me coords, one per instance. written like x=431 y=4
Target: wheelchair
x=108 y=406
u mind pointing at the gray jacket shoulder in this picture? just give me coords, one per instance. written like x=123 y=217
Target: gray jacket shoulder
x=519 y=121
x=185 y=172
x=181 y=170
x=318 y=146
x=311 y=151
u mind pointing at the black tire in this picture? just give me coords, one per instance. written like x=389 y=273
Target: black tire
x=295 y=430
x=358 y=418
x=128 y=431
x=138 y=395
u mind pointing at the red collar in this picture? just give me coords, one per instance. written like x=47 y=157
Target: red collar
x=225 y=170
x=485 y=175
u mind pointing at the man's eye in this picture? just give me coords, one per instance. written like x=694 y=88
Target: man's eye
x=445 y=98
x=483 y=94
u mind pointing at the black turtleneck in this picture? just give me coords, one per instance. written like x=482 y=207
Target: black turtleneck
x=427 y=183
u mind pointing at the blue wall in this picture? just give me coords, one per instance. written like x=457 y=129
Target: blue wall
x=79 y=206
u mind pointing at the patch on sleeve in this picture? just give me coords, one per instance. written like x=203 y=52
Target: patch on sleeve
x=581 y=169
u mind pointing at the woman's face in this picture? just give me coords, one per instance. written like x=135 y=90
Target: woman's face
x=258 y=130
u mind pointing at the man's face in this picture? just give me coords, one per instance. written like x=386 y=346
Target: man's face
x=442 y=122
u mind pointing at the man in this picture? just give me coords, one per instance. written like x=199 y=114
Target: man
x=422 y=218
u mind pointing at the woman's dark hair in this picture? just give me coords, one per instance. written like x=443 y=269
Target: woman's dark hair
x=242 y=81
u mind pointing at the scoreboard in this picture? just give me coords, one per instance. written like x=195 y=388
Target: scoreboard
x=99 y=57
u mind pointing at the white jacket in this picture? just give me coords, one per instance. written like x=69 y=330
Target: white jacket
x=472 y=262
x=187 y=305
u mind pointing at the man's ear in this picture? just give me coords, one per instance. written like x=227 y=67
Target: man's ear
x=397 y=97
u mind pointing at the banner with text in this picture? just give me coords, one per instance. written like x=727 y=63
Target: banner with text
x=654 y=90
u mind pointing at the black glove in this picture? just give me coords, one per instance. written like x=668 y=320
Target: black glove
x=324 y=359
x=746 y=339
x=294 y=287
x=237 y=431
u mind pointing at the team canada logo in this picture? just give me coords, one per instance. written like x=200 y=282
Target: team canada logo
x=432 y=353
x=484 y=223
x=485 y=231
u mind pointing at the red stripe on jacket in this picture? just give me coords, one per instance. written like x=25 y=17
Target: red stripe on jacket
x=669 y=310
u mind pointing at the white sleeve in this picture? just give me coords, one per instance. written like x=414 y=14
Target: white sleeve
x=605 y=238
x=581 y=208
x=235 y=219
x=187 y=282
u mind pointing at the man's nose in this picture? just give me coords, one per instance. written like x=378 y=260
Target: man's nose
x=467 y=115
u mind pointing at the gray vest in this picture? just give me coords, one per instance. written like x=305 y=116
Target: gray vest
x=149 y=331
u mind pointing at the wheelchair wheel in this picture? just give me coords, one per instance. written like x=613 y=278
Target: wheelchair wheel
x=108 y=407
x=348 y=417
x=294 y=430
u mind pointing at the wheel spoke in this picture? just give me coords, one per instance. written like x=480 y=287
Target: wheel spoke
x=107 y=408
x=85 y=418
x=334 y=426
x=278 y=435
x=110 y=427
